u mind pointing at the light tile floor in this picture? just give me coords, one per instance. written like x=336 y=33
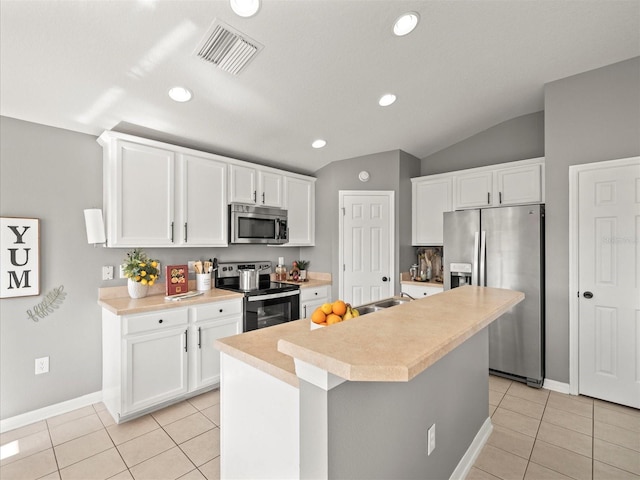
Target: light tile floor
x=537 y=435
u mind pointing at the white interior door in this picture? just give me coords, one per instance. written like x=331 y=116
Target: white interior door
x=609 y=282
x=366 y=246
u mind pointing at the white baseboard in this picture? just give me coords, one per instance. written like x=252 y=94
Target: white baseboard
x=50 y=411
x=555 y=386
x=469 y=458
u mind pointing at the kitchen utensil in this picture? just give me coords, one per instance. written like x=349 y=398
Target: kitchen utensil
x=249 y=278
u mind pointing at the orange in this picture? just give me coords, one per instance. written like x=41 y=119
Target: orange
x=333 y=318
x=339 y=307
x=327 y=308
x=318 y=316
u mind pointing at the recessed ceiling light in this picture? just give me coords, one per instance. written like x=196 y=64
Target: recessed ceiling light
x=406 y=23
x=387 y=99
x=180 y=94
x=319 y=143
x=245 y=8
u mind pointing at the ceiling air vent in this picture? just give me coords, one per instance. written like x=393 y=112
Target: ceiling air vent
x=227 y=48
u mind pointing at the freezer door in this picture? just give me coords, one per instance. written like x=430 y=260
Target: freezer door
x=461 y=231
x=514 y=260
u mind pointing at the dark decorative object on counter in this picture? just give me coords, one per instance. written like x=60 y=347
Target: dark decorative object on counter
x=429 y=264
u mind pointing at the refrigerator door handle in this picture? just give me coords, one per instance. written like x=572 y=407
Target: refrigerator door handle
x=483 y=250
x=474 y=269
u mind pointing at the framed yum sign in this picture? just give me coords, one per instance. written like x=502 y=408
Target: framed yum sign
x=19 y=257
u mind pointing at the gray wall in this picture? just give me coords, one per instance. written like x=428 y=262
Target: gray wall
x=379 y=429
x=389 y=171
x=53 y=174
x=516 y=139
x=590 y=117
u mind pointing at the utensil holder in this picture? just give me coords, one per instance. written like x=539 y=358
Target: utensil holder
x=203 y=282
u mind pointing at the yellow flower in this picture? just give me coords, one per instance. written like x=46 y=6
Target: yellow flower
x=137 y=278
x=144 y=281
x=151 y=283
x=142 y=264
x=143 y=273
x=154 y=264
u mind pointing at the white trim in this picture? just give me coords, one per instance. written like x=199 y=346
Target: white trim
x=33 y=416
x=392 y=233
x=556 y=386
x=470 y=456
x=316 y=375
x=574 y=272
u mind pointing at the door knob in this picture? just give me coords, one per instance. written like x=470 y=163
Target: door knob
x=587 y=295
x=385 y=279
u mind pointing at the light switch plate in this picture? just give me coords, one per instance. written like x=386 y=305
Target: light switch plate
x=107 y=272
x=42 y=365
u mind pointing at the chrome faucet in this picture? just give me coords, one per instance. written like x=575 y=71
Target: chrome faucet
x=403 y=294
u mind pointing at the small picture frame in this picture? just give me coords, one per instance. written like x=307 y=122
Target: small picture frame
x=19 y=257
x=177 y=280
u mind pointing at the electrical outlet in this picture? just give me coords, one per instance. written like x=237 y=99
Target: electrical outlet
x=42 y=365
x=431 y=439
x=107 y=272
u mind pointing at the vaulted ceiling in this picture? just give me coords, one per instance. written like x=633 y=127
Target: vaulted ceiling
x=98 y=65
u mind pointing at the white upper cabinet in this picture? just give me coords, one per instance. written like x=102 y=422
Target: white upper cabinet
x=203 y=202
x=431 y=197
x=474 y=189
x=139 y=194
x=161 y=195
x=510 y=183
x=243 y=184
x=518 y=185
x=513 y=183
x=255 y=187
x=270 y=189
x=300 y=204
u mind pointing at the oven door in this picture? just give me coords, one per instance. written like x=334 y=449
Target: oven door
x=262 y=311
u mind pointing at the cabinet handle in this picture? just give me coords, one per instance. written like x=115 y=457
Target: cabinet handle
x=263 y=198
x=488 y=198
x=200 y=337
x=316 y=293
x=500 y=198
x=255 y=196
x=186 y=340
x=304 y=315
x=220 y=310
x=171 y=232
x=185 y=232
x=160 y=321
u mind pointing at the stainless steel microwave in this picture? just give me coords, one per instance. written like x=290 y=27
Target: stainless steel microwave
x=251 y=224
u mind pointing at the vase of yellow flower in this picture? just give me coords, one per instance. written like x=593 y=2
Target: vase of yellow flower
x=141 y=271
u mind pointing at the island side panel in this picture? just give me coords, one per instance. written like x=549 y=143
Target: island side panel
x=379 y=429
x=259 y=431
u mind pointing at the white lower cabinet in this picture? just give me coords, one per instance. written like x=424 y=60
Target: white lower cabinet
x=153 y=359
x=312 y=298
x=420 y=291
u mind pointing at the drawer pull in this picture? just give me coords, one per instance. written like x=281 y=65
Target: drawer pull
x=199 y=337
x=316 y=294
x=221 y=310
x=160 y=321
x=186 y=340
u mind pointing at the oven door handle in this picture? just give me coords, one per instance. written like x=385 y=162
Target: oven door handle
x=259 y=298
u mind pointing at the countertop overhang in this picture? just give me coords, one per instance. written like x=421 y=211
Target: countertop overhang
x=391 y=345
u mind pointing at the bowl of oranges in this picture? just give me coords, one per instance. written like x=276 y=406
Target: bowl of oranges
x=332 y=313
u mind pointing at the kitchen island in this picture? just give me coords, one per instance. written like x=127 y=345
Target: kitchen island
x=355 y=400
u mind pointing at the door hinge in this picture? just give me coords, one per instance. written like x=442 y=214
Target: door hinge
x=344 y=267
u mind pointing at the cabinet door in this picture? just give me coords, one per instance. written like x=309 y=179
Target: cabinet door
x=307 y=308
x=519 y=185
x=205 y=358
x=431 y=198
x=270 y=189
x=300 y=205
x=419 y=291
x=142 y=207
x=156 y=368
x=474 y=190
x=203 y=203
x=242 y=184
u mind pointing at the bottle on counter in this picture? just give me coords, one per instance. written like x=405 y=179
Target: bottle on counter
x=281 y=270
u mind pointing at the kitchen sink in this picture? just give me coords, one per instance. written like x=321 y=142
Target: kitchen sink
x=380 y=305
x=390 y=303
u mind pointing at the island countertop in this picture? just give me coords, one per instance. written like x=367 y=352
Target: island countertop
x=393 y=344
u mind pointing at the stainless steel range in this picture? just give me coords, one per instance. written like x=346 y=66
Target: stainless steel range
x=266 y=303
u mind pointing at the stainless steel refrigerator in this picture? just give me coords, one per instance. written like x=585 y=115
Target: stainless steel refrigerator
x=504 y=248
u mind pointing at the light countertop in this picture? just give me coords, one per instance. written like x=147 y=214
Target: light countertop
x=117 y=300
x=394 y=344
